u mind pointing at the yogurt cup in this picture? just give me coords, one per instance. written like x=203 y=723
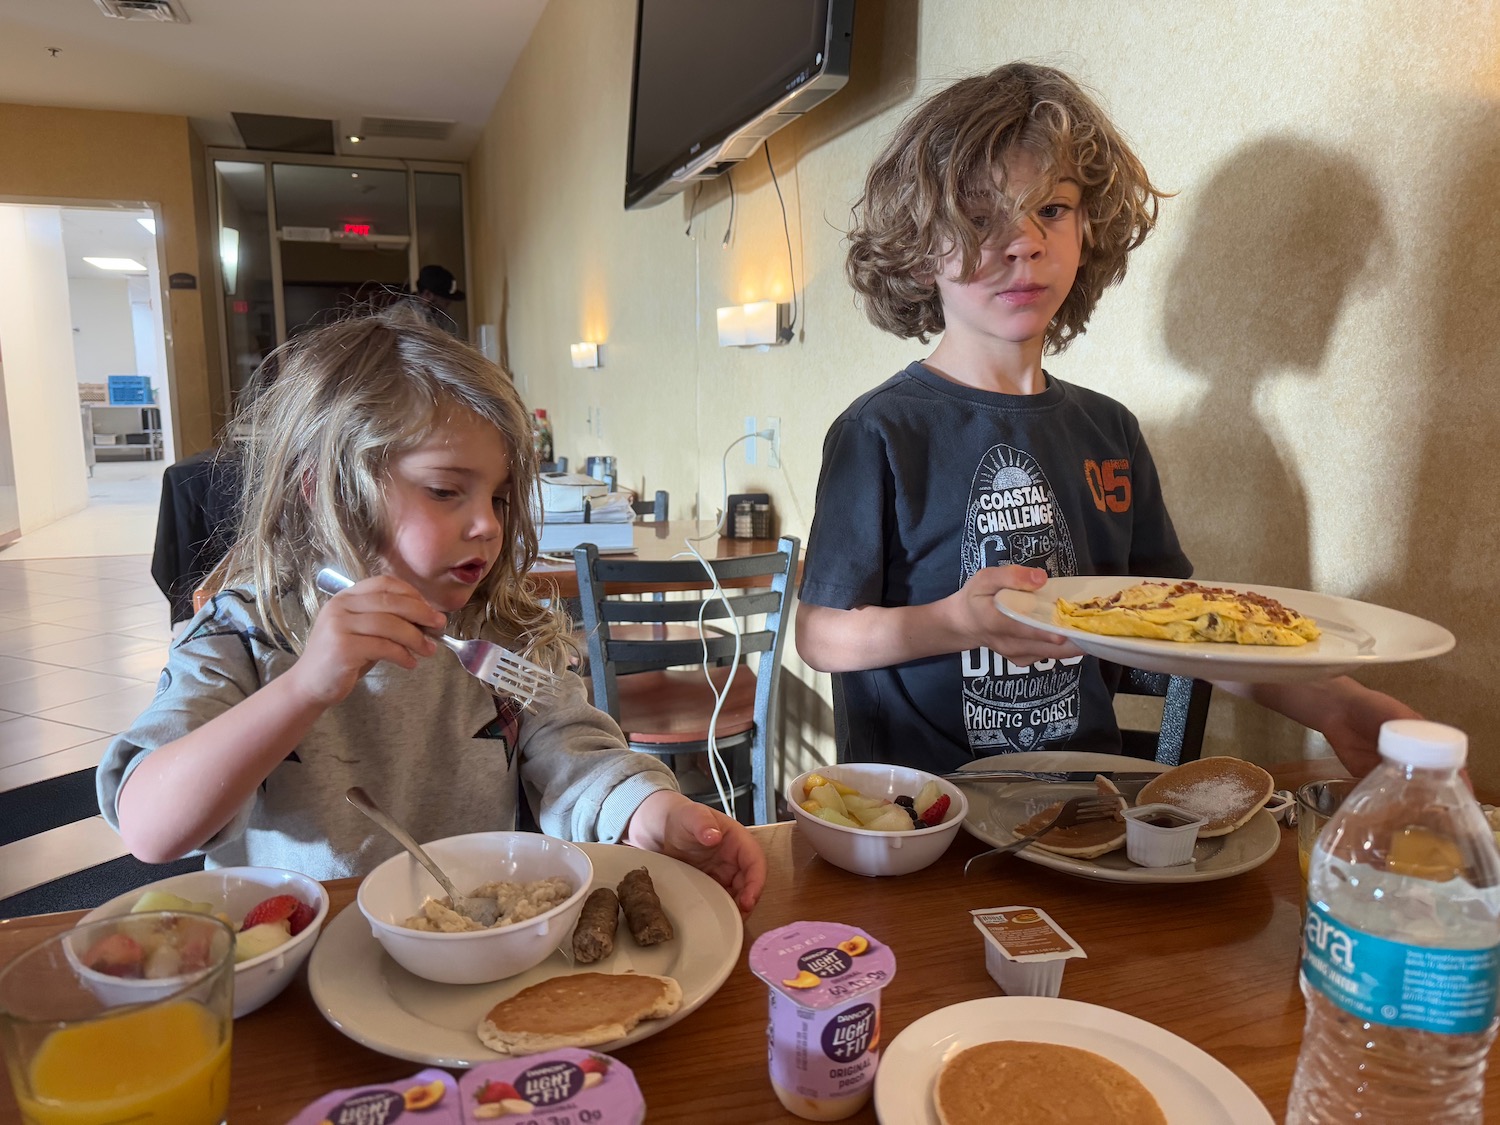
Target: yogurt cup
x=823 y=1038
x=568 y=1084
x=429 y=1096
x=1024 y=949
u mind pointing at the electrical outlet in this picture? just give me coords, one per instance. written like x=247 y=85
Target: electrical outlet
x=750 y=429
x=773 y=458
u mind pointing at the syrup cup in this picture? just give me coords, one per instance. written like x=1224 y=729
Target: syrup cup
x=1160 y=835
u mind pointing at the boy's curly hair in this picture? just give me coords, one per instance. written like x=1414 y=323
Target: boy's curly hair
x=940 y=185
x=317 y=444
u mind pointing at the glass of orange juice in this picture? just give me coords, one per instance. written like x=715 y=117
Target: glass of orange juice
x=125 y=1019
x=1317 y=801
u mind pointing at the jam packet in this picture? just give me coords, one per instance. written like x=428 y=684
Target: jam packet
x=1024 y=949
x=562 y=1085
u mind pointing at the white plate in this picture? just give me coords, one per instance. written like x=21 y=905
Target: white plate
x=1191 y=1086
x=997 y=807
x=374 y=1001
x=1355 y=634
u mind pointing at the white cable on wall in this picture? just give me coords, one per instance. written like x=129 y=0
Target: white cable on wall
x=718 y=768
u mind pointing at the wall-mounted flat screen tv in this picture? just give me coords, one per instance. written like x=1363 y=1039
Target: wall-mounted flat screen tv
x=715 y=78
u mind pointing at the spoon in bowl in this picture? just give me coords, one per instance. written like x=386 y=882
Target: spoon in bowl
x=477 y=909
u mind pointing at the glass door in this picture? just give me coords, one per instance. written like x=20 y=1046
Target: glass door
x=344 y=235
x=247 y=267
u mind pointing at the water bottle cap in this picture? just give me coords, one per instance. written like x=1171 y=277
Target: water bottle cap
x=1423 y=745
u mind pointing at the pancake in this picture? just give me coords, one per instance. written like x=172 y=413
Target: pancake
x=1088 y=840
x=577 y=1010
x=1189 y=612
x=1227 y=792
x=1014 y=1082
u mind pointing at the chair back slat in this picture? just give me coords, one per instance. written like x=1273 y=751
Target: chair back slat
x=1184 y=716
x=740 y=605
x=687 y=573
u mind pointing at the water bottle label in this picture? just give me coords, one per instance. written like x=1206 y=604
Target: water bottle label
x=1450 y=991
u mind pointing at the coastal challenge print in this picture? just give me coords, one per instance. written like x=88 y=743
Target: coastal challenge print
x=1013 y=518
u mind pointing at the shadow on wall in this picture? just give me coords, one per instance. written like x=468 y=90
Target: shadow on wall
x=1454 y=505
x=1279 y=236
x=804 y=734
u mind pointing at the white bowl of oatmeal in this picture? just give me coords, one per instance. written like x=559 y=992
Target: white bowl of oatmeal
x=539 y=881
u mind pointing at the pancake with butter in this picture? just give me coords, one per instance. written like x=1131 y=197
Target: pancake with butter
x=1014 y=1082
x=577 y=1010
x=1188 y=612
x=1226 y=792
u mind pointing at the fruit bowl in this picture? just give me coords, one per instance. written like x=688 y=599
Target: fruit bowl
x=233 y=891
x=395 y=890
x=866 y=851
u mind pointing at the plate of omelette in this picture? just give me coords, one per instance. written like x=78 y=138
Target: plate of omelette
x=1223 y=630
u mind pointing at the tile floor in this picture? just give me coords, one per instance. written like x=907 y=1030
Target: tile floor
x=82 y=642
x=83 y=628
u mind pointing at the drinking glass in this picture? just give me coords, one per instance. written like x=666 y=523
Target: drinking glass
x=88 y=1040
x=1317 y=801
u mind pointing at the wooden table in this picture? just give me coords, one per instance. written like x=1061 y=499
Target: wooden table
x=1213 y=962
x=655 y=542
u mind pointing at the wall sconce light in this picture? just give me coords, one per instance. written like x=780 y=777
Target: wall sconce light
x=587 y=355
x=761 y=322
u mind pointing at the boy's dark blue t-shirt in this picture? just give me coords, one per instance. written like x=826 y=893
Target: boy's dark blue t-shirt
x=926 y=481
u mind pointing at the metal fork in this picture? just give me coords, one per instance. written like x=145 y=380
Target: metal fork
x=1076 y=810
x=495 y=665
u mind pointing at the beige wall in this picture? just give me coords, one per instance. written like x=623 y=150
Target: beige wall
x=1308 y=339
x=79 y=155
x=45 y=438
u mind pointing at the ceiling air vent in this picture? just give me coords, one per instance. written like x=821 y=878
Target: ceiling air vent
x=406 y=128
x=162 y=11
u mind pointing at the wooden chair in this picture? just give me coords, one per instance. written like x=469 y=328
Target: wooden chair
x=656 y=690
x=56 y=852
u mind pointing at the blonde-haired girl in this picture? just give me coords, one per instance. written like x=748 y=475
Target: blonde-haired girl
x=384 y=448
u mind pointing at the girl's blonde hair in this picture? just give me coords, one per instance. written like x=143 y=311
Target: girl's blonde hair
x=940 y=185
x=316 y=448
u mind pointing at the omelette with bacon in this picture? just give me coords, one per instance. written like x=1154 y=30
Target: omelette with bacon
x=1187 y=611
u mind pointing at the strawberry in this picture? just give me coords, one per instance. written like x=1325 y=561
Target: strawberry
x=278 y=908
x=594 y=1064
x=301 y=918
x=934 y=813
x=116 y=956
x=492 y=1092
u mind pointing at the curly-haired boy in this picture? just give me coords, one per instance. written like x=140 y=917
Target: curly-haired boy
x=997 y=215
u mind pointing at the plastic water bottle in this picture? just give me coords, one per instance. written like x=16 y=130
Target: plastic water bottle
x=1401 y=946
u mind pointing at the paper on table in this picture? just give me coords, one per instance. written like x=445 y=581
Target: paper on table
x=614 y=507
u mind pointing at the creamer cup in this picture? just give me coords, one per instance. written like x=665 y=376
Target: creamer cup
x=1024 y=949
x=823 y=1039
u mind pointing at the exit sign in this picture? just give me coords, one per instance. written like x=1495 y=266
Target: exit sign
x=360 y=229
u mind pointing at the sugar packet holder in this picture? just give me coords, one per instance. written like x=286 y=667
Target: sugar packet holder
x=1024 y=949
x=566 y=1084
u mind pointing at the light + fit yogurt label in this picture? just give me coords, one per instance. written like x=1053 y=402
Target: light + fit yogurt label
x=825 y=980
